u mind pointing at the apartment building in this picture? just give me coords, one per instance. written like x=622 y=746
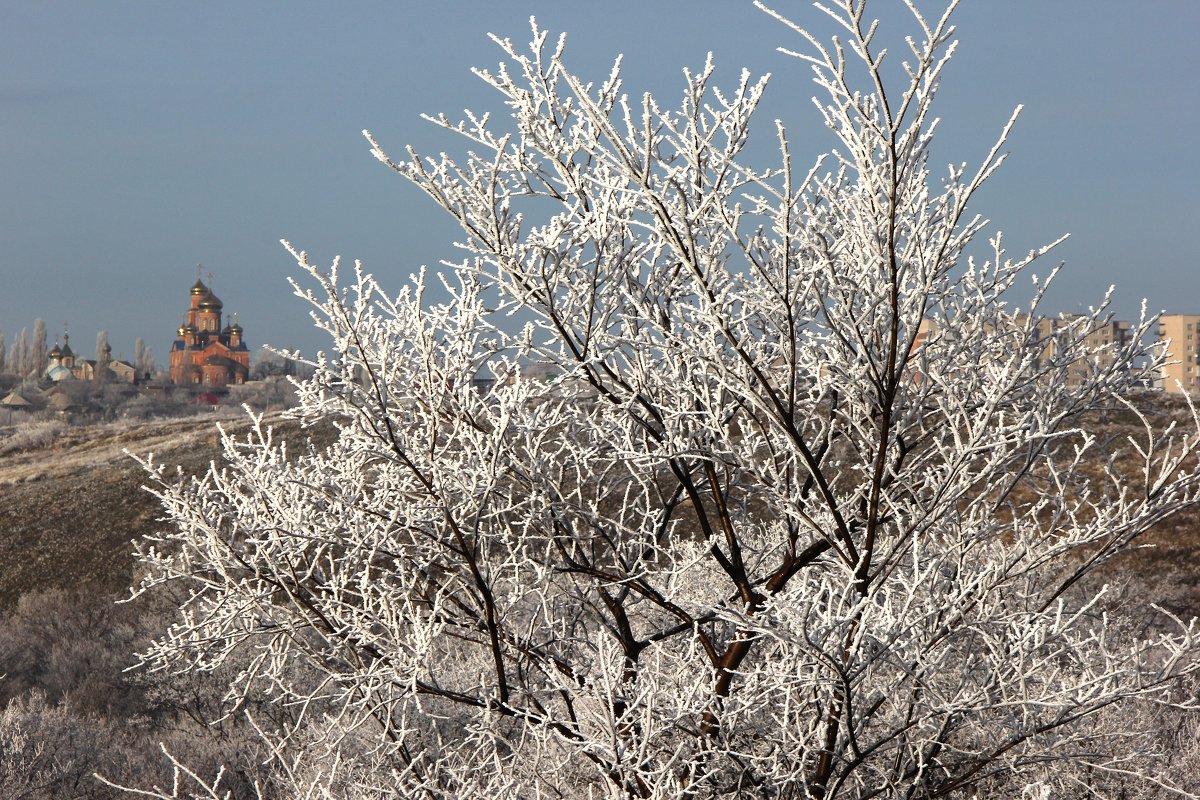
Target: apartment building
x=1103 y=340
x=1180 y=332
x=998 y=339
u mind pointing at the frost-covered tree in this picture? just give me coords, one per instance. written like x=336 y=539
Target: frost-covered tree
x=143 y=357
x=20 y=354
x=3 y=355
x=103 y=356
x=810 y=513
x=37 y=353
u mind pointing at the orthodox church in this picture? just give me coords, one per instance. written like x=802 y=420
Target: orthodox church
x=60 y=364
x=63 y=365
x=206 y=354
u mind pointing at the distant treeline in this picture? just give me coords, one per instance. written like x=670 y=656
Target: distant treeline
x=27 y=356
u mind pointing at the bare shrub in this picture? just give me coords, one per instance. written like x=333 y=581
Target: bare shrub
x=71 y=709
x=33 y=435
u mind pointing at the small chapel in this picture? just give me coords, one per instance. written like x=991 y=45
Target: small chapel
x=204 y=353
x=63 y=365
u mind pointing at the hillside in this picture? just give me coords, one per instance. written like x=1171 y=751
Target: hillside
x=70 y=507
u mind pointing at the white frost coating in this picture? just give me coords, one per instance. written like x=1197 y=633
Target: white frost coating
x=753 y=541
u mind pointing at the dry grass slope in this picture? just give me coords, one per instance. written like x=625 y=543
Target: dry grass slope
x=70 y=507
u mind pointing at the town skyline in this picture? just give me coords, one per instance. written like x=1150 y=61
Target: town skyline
x=142 y=140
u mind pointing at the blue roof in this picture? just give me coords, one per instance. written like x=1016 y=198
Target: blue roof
x=59 y=373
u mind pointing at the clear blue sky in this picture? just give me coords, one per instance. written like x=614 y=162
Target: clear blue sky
x=139 y=138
